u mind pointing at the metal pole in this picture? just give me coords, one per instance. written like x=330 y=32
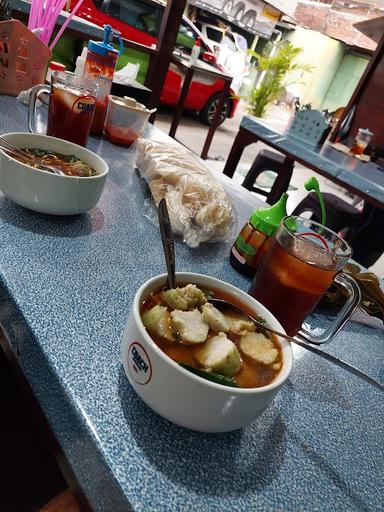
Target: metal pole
x=159 y=64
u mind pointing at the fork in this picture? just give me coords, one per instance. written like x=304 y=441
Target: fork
x=11 y=149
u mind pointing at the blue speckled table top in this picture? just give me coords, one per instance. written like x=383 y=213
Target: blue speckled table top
x=366 y=178
x=66 y=288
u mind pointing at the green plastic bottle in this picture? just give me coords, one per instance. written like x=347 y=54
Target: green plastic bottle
x=252 y=242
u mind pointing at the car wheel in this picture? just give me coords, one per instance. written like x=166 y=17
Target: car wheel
x=207 y=113
x=227 y=7
x=249 y=18
x=238 y=11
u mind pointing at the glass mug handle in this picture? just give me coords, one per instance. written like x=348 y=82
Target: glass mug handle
x=354 y=297
x=34 y=95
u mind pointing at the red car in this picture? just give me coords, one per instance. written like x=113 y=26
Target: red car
x=139 y=21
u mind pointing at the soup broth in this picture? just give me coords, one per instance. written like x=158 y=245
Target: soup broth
x=255 y=369
x=69 y=164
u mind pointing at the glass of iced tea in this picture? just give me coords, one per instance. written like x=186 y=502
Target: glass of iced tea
x=362 y=139
x=302 y=261
x=71 y=107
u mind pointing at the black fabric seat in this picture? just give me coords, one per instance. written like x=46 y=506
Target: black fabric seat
x=270 y=161
x=340 y=214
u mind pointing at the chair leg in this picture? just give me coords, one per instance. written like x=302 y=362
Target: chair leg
x=243 y=139
x=249 y=179
x=281 y=182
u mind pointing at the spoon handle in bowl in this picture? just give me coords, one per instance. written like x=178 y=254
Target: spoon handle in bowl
x=262 y=325
x=167 y=239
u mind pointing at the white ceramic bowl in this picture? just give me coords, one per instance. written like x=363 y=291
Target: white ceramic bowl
x=177 y=394
x=46 y=192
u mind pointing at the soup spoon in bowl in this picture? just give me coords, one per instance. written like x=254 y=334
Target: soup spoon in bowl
x=263 y=326
x=169 y=253
x=167 y=240
x=26 y=158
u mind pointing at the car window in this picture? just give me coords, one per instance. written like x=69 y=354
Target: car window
x=186 y=39
x=229 y=42
x=241 y=42
x=135 y=13
x=214 y=35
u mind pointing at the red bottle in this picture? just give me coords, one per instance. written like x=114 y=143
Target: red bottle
x=100 y=66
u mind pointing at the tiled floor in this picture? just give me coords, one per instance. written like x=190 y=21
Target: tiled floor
x=192 y=134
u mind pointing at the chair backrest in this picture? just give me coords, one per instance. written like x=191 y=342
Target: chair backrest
x=308 y=127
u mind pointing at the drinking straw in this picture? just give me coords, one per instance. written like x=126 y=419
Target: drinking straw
x=313 y=184
x=32 y=15
x=59 y=34
x=50 y=6
x=36 y=8
x=57 y=8
x=40 y=12
x=50 y=19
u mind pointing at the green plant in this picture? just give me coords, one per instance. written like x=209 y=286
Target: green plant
x=276 y=62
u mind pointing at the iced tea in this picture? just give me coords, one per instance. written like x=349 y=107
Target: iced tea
x=362 y=139
x=70 y=114
x=297 y=270
x=71 y=107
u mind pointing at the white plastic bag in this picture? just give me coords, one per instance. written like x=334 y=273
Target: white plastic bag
x=127 y=74
x=199 y=208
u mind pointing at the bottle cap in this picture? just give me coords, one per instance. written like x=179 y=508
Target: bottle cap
x=104 y=47
x=56 y=66
x=267 y=220
x=198 y=41
x=365 y=131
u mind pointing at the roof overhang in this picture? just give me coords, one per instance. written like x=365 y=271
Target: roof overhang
x=373 y=28
x=254 y=16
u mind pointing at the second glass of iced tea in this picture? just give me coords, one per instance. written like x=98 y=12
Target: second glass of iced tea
x=71 y=107
x=302 y=261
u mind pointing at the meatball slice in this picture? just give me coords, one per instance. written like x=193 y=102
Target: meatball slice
x=185 y=298
x=219 y=354
x=239 y=325
x=157 y=321
x=190 y=325
x=214 y=318
x=260 y=348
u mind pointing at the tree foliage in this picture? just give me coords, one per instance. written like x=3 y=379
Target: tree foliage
x=277 y=61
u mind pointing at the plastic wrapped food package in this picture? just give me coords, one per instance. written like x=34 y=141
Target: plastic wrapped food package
x=199 y=208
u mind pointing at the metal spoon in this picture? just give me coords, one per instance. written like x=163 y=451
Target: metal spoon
x=9 y=148
x=169 y=253
x=168 y=245
x=263 y=326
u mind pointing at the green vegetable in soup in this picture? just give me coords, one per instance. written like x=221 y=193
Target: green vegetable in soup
x=39 y=152
x=213 y=377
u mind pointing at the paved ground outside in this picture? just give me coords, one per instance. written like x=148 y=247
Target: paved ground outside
x=192 y=134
